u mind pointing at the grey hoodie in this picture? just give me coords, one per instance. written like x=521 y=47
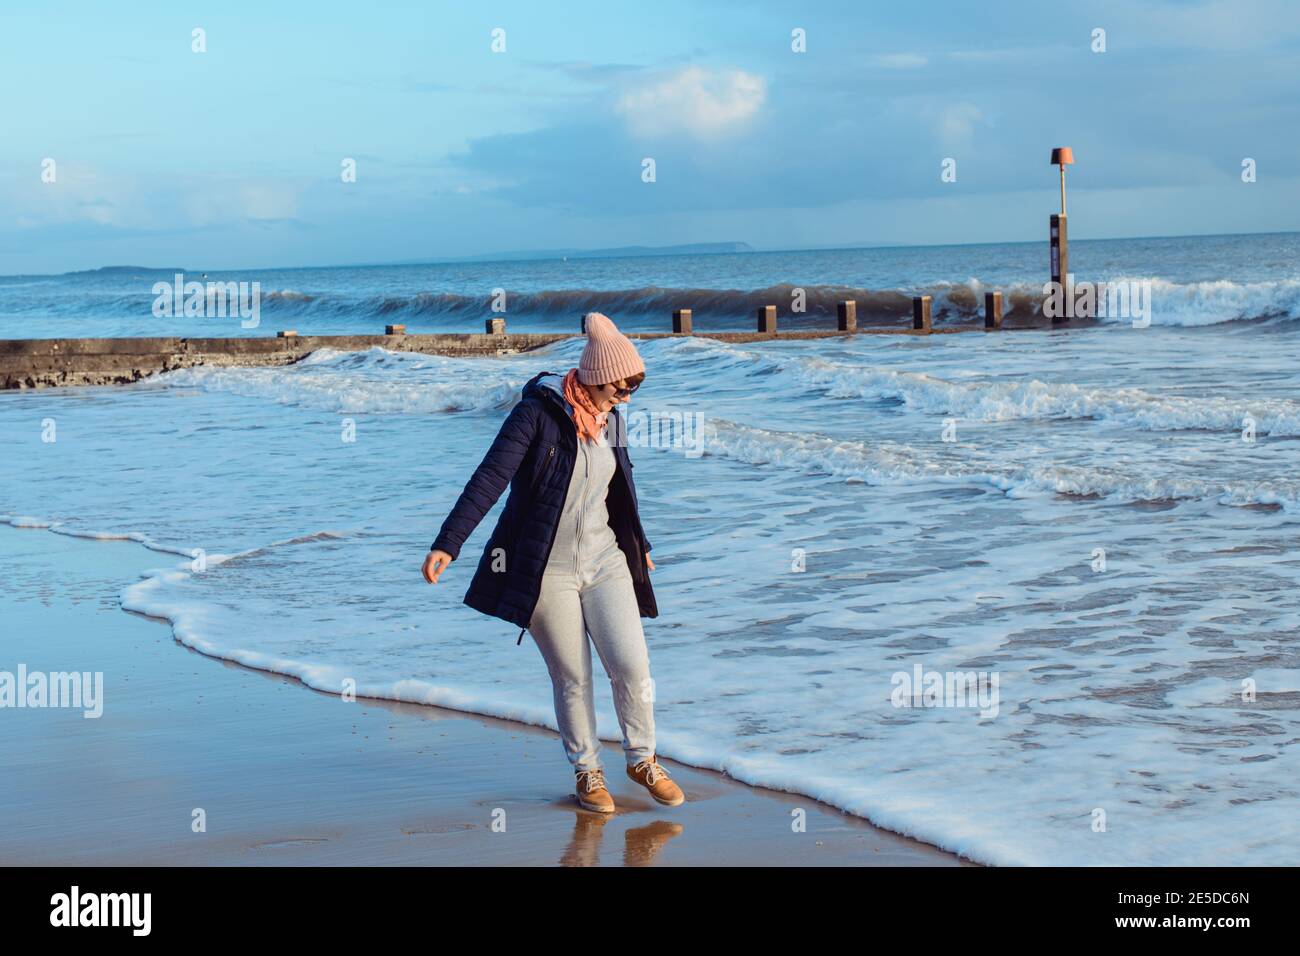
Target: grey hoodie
x=584 y=535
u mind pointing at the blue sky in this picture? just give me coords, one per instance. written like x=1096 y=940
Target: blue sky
x=231 y=158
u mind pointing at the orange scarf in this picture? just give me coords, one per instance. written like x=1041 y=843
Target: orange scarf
x=589 y=422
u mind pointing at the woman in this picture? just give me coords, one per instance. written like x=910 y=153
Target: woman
x=568 y=556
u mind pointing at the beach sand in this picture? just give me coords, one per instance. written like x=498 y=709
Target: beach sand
x=286 y=775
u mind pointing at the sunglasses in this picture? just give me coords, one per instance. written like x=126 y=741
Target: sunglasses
x=625 y=392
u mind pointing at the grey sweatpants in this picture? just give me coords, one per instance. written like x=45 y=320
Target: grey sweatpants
x=597 y=599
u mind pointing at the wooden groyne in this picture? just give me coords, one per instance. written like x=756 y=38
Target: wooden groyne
x=51 y=363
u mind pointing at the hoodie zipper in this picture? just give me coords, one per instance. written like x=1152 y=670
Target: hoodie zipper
x=582 y=504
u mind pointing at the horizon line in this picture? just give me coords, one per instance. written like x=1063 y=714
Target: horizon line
x=593 y=254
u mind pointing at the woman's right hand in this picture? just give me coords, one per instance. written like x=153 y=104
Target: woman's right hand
x=434 y=564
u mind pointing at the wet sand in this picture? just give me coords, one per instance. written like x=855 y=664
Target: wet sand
x=286 y=775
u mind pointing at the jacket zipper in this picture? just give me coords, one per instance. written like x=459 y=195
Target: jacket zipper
x=550 y=453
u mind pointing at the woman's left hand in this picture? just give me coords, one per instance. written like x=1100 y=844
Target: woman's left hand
x=648 y=563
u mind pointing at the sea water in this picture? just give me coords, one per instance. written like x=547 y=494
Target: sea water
x=1102 y=518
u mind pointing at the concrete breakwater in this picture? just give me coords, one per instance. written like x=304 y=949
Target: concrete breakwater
x=50 y=363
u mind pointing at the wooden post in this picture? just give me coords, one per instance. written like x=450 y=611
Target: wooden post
x=496 y=327
x=921 y=313
x=767 y=319
x=847 y=316
x=682 y=321
x=286 y=334
x=992 y=311
x=1060 y=254
x=394 y=330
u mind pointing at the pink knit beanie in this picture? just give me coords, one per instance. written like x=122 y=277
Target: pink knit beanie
x=609 y=355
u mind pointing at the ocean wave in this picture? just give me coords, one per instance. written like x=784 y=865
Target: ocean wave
x=892 y=463
x=956 y=301
x=1216 y=303
x=375 y=381
x=28 y=522
x=818 y=303
x=997 y=401
x=378 y=381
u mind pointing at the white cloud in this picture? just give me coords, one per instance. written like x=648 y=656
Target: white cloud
x=956 y=122
x=1212 y=25
x=701 y=102
x=899 y=61
x=85 y=194
x=223 y=199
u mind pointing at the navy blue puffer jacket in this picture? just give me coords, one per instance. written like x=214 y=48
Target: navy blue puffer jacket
x=535 y=453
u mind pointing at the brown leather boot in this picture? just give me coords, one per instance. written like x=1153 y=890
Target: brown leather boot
x=591 y=792
x=654 y=778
